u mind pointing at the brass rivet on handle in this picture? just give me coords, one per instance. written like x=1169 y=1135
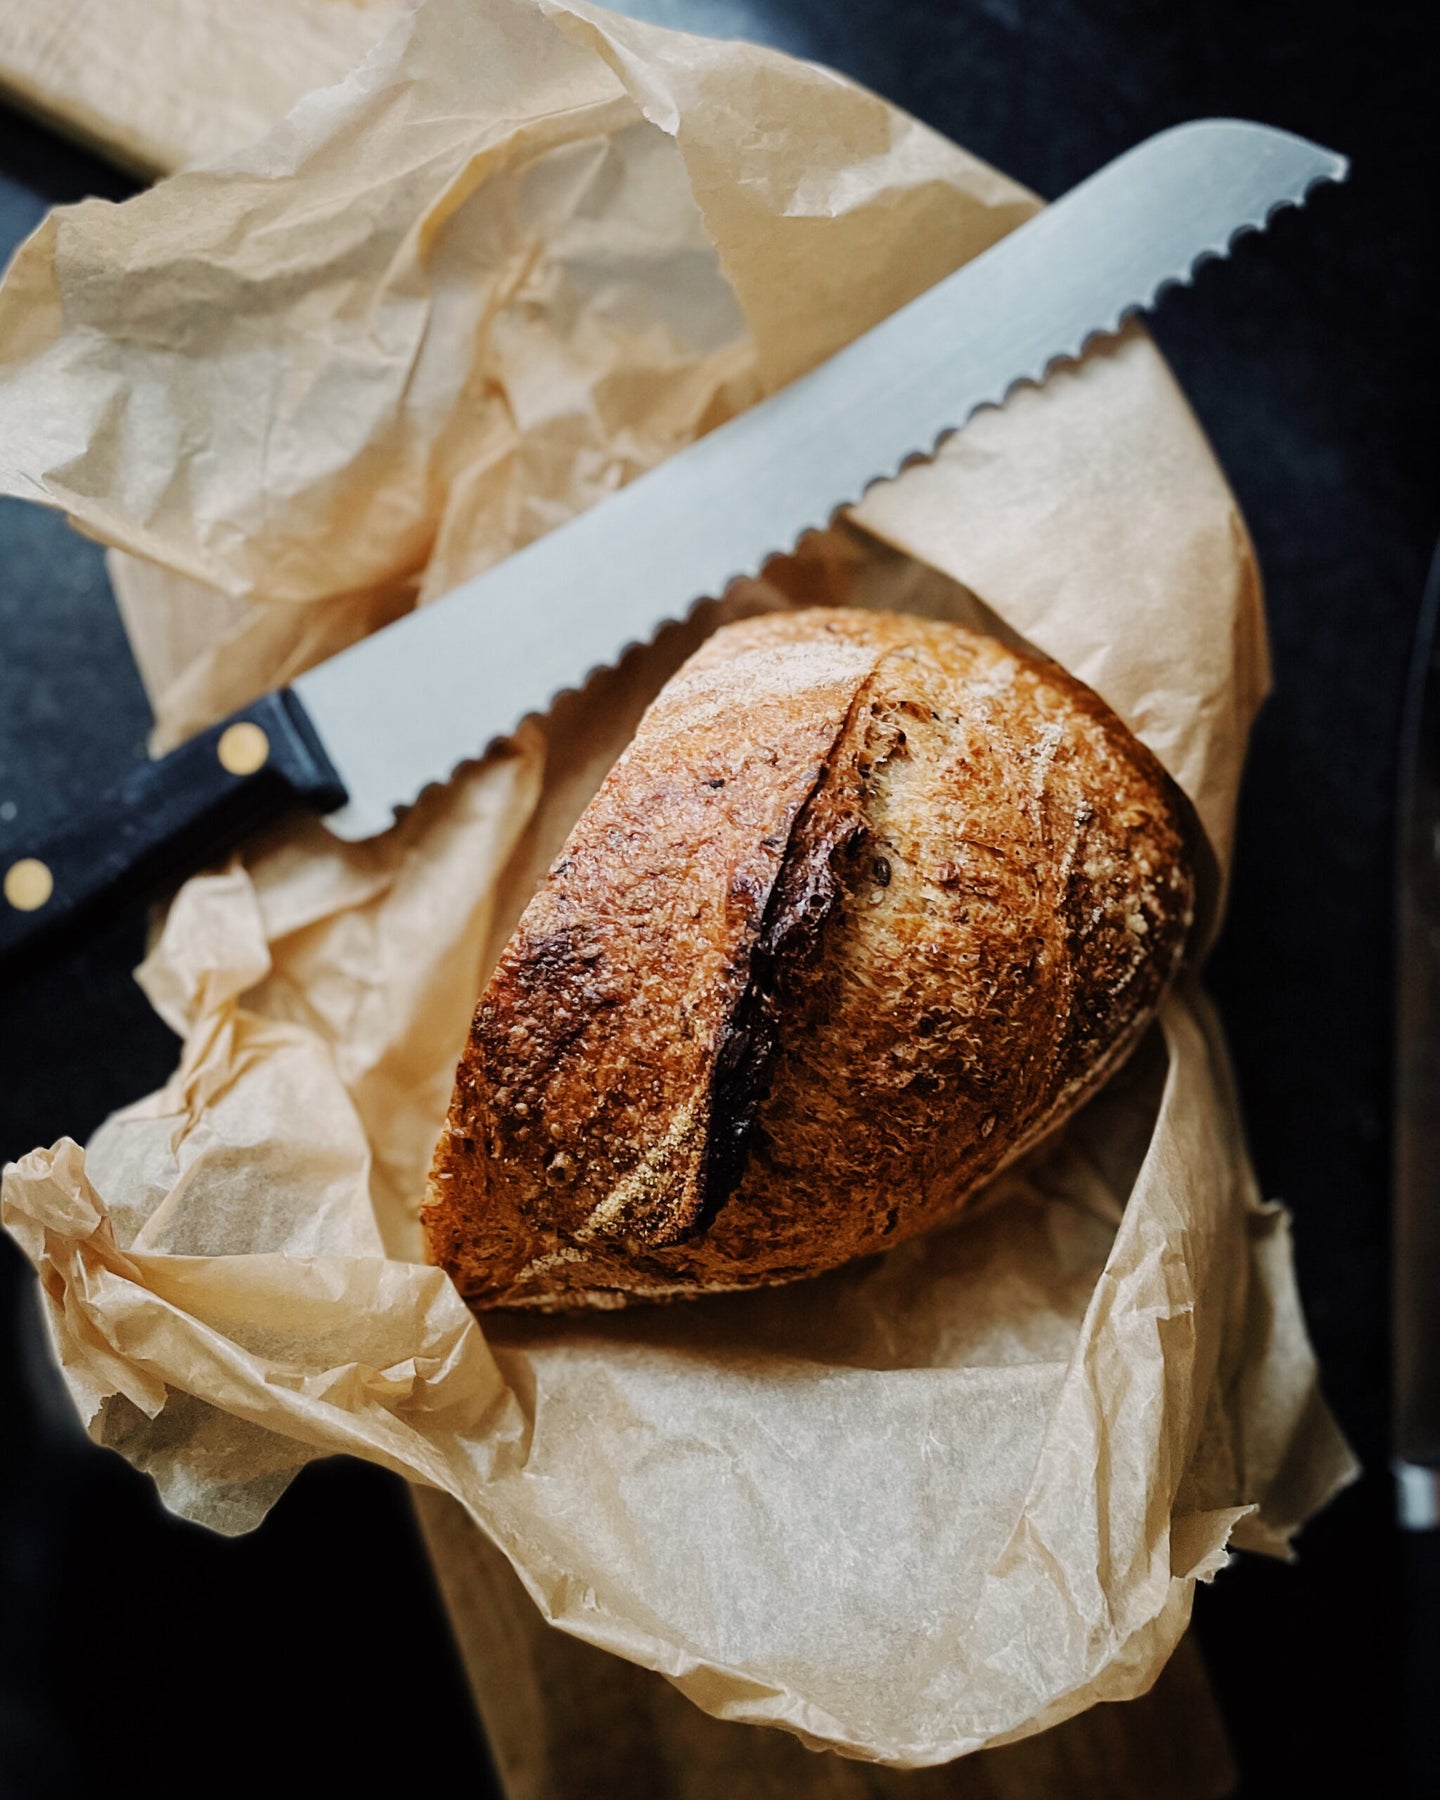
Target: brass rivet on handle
x=28 y=884
x=243 y=748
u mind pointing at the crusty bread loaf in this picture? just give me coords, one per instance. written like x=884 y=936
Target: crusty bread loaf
x=869 y=903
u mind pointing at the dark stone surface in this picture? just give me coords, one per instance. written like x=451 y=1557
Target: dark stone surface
x=1308 y=361
x=89 y=1560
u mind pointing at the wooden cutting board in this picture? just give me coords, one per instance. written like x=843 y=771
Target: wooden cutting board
x=566 y=1719
x=151 y=84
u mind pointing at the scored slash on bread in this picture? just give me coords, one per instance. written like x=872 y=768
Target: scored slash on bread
x=869 y=903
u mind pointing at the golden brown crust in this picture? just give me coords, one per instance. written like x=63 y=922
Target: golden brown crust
x=868 y=904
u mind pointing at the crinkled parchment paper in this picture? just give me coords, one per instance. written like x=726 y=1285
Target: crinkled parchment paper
x=933 y=1501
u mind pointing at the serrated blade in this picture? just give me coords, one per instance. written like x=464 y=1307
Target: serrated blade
x=407 y=706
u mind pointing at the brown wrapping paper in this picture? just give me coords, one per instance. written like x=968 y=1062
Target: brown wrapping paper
x=152 y=84
x=935 y=1501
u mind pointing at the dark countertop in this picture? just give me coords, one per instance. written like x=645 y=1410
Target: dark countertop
x=1307 y=361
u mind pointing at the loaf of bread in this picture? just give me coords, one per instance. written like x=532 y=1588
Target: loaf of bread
x=868 y=905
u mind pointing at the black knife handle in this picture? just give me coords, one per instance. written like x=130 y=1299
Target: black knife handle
x=166 y=819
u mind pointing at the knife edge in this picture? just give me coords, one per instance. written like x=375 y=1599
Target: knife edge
x=402 y=710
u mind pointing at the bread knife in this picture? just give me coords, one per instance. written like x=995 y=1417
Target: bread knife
x=358 y=738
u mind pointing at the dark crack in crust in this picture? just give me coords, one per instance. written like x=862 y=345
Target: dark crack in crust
x=801 y=903
x=869 y=904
